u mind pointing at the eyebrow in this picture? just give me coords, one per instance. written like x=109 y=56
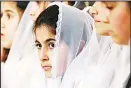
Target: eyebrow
x=109 y=2
x=50 y=39
x=9 y=11
x=37 y=41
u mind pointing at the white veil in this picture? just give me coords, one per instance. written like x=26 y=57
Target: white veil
x=101 y=64
x=74 y=29
x=72 y=34
x=22 y=68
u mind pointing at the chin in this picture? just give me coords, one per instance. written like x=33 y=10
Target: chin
x=102 y=33
x=120 y=42
x=5 y=45
x=48 y=74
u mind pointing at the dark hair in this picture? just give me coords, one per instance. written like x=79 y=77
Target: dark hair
x=22 y=4
x=129 y=3
x=48 y=17
x=91 y=3
x=71 y=3
x=4 y=54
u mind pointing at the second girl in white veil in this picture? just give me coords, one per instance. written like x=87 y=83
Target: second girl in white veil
x=22 y=69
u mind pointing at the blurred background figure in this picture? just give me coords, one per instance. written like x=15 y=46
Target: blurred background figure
x=39 y=6
x=113 y=19
x=113 y=68
x=11 y=13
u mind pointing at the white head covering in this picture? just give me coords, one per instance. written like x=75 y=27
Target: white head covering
x=101 y=64
x=22 y=68
x=72 y=34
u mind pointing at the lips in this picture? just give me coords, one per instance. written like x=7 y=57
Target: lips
x=2 y=34
x=97 y=20
x=47 y=67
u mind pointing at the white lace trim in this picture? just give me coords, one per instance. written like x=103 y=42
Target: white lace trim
x=58 y=29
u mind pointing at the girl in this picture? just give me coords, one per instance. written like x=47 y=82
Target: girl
x=11 y=13
x=106 y=60
x=58 y=41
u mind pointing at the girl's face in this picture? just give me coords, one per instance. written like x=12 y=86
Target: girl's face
x=10 y=17
x=37 y=8
x=113 y=19
x=45 y=42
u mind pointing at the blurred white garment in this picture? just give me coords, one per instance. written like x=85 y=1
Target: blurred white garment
x=53 y=83
x=87 y=8
x=101 y=64
x=22 y=68
x=2 y=75
x=111 y=72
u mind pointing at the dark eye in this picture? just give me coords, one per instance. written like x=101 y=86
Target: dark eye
x=38 y=45
x=9 y=16
x=109 y=7
x=1 y=14
x=51 y=45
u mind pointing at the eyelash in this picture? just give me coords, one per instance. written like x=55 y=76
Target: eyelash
x=9 y=16
x=1 y=14
x=110 y=7
x=49 y=45
x=38 y=45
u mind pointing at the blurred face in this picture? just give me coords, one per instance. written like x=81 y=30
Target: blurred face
x=10 y=17
x=37 y=8
x=45 y=42
x=112 y=19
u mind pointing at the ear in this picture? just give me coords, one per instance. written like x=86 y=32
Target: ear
x=81 y=46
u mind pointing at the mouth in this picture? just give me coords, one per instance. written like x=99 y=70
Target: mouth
x=97 y=21
x=2 y=34
x=47 y=67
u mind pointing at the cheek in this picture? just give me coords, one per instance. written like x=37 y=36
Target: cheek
x=120 y=22
x=39 y=53
x=50 y=55
x=12 y=27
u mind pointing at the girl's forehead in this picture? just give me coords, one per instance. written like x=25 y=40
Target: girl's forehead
x=9 y=6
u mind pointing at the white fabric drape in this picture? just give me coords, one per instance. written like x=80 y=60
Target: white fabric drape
x=22 y=68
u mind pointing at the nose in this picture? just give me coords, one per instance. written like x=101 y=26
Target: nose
x=2 y=23
x=44 y=56
x=99 y=13
x=93 y=12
